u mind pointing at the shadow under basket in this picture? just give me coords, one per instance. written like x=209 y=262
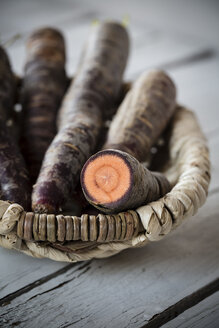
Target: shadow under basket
x=184 y=159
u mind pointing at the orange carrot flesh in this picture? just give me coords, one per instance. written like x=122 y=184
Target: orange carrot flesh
x=107 y=178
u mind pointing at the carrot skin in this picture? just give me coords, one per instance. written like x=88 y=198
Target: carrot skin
x=14 y=180
x=7 y=87
x=143 y=115
x=80 y=119
x=144 y=186
x=44 y=84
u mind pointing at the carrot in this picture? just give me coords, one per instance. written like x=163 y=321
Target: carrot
x=143 y=115
x=7 y=85
x=85 y=107
x=14 y=180
x=114 y=180
x=44 y=84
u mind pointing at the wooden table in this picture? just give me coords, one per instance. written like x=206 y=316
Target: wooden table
x=173 y=282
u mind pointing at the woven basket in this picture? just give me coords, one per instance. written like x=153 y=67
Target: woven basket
x=184 y=159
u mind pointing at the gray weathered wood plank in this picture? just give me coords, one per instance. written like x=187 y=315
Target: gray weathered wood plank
x=24 y=15
x=204 y=315
x=151 y=45
x=195 y=18
x=18 y=270
x=198 y=89
x=198 y=19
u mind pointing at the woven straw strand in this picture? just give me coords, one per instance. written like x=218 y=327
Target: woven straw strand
x=60 y=228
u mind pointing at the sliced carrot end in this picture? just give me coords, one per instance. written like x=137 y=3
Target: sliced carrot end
x=106 y=178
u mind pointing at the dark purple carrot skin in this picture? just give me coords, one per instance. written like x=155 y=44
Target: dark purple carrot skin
x=84 y=109
x=18 y=85
x=143 y=115
x=7 y=87
x=14 y=180
x=44 y=85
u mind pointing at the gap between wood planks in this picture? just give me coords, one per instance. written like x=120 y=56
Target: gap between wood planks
x=196 y=57
x=205 y=314
x=79 y=17
x=8 y=298
x=176 y=309
x=187 y=302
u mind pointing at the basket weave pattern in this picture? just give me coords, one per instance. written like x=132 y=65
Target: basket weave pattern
x=188 y=170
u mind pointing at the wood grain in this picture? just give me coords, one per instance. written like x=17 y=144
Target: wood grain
x=19 y=270
x=203 y=315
